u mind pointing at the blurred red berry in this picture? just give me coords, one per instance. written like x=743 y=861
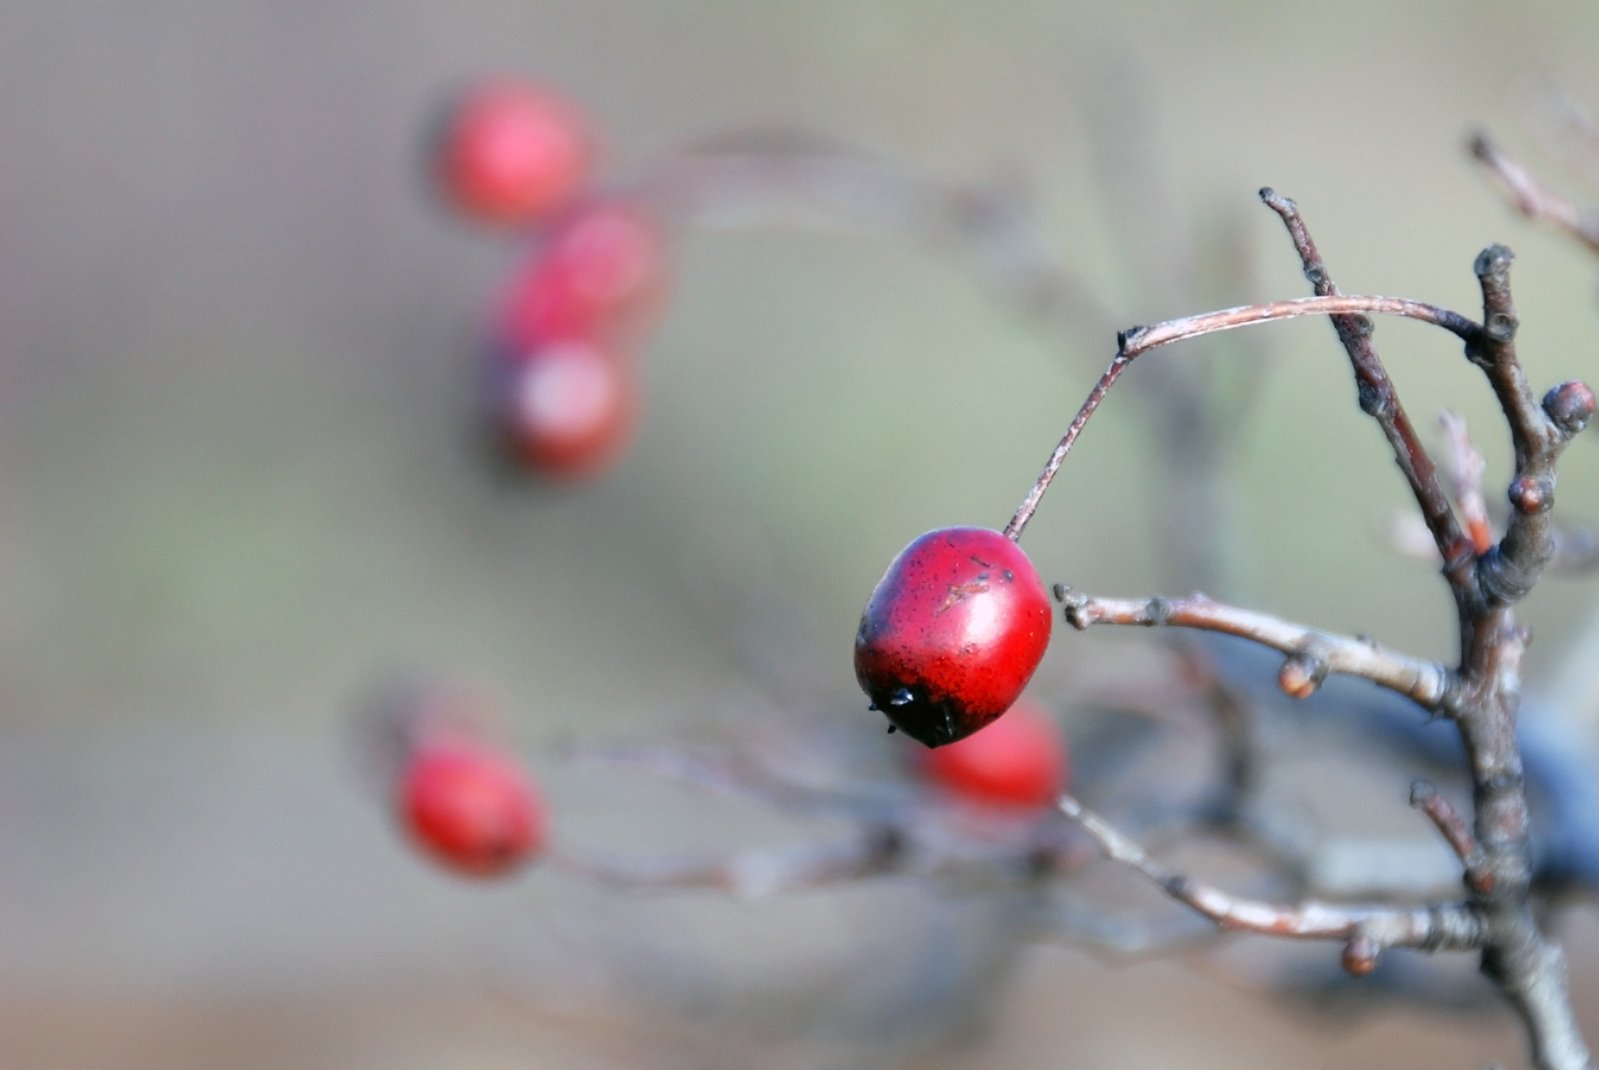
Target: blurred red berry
x=511 y=153
x=472 y=808
x=1018 y=760
x=566 y=411
x=598 y=274
x=952 y=633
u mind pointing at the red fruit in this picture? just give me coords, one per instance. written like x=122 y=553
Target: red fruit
x=511 y=153
x=952 y=633
x=1018 y=760
x=598 y=275
x=567 y=411
x=471 y=808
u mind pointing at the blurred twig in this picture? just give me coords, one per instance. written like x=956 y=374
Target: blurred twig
x=1530 y=196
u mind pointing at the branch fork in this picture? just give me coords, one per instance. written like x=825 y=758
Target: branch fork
x=1481 y=696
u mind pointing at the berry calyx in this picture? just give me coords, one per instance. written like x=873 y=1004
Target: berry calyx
x=1019 y=760
x=510 y=153
x=598 y=274
x=566 y=411
x=471 y=808
x=952 y=633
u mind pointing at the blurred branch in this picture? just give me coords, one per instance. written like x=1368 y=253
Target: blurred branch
x=873 y=851
x=1466 y=468
x=1576 y=546
x=904 y=832
x=769 y=175
x=1232 y=716
x=1531 y=197
x=1576 y=549
x=1566 y=128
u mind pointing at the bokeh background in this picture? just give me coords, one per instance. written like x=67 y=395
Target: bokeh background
x=239 y=484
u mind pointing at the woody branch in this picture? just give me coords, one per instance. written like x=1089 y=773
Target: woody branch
x=1481 y=696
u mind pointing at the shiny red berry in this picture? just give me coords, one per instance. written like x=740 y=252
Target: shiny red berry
x=952 y=633
x=471 y=808
x=598 y=274
x=1019 y=760
x=566 y=411
x=510 y=153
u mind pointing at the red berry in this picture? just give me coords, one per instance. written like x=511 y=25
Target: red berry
x=471 y=808
x=952 y=633
x=511 y=153
x=1018 y=760
x=598 y=274
x=567 y=411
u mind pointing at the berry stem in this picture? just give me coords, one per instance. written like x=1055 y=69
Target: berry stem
x=1138 y=340
x=1135 y=341
x=1024 y=511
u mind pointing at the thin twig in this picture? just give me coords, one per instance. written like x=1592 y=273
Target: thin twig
x=1024 y=511
x=1379 y=400
x=1453 y=828
x=1135 y=341
x=896 y=832
x=1508 y=573
x=1312 y=654
x=928 y=843
x=779 y=175
x=1232 y=715
x=1451 y=926
x=1376 y=394
x=1567 y=128
x=1531 y=197
x=732 y=774
x=754 y=874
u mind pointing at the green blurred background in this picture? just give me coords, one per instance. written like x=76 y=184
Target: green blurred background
x=238 y=483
